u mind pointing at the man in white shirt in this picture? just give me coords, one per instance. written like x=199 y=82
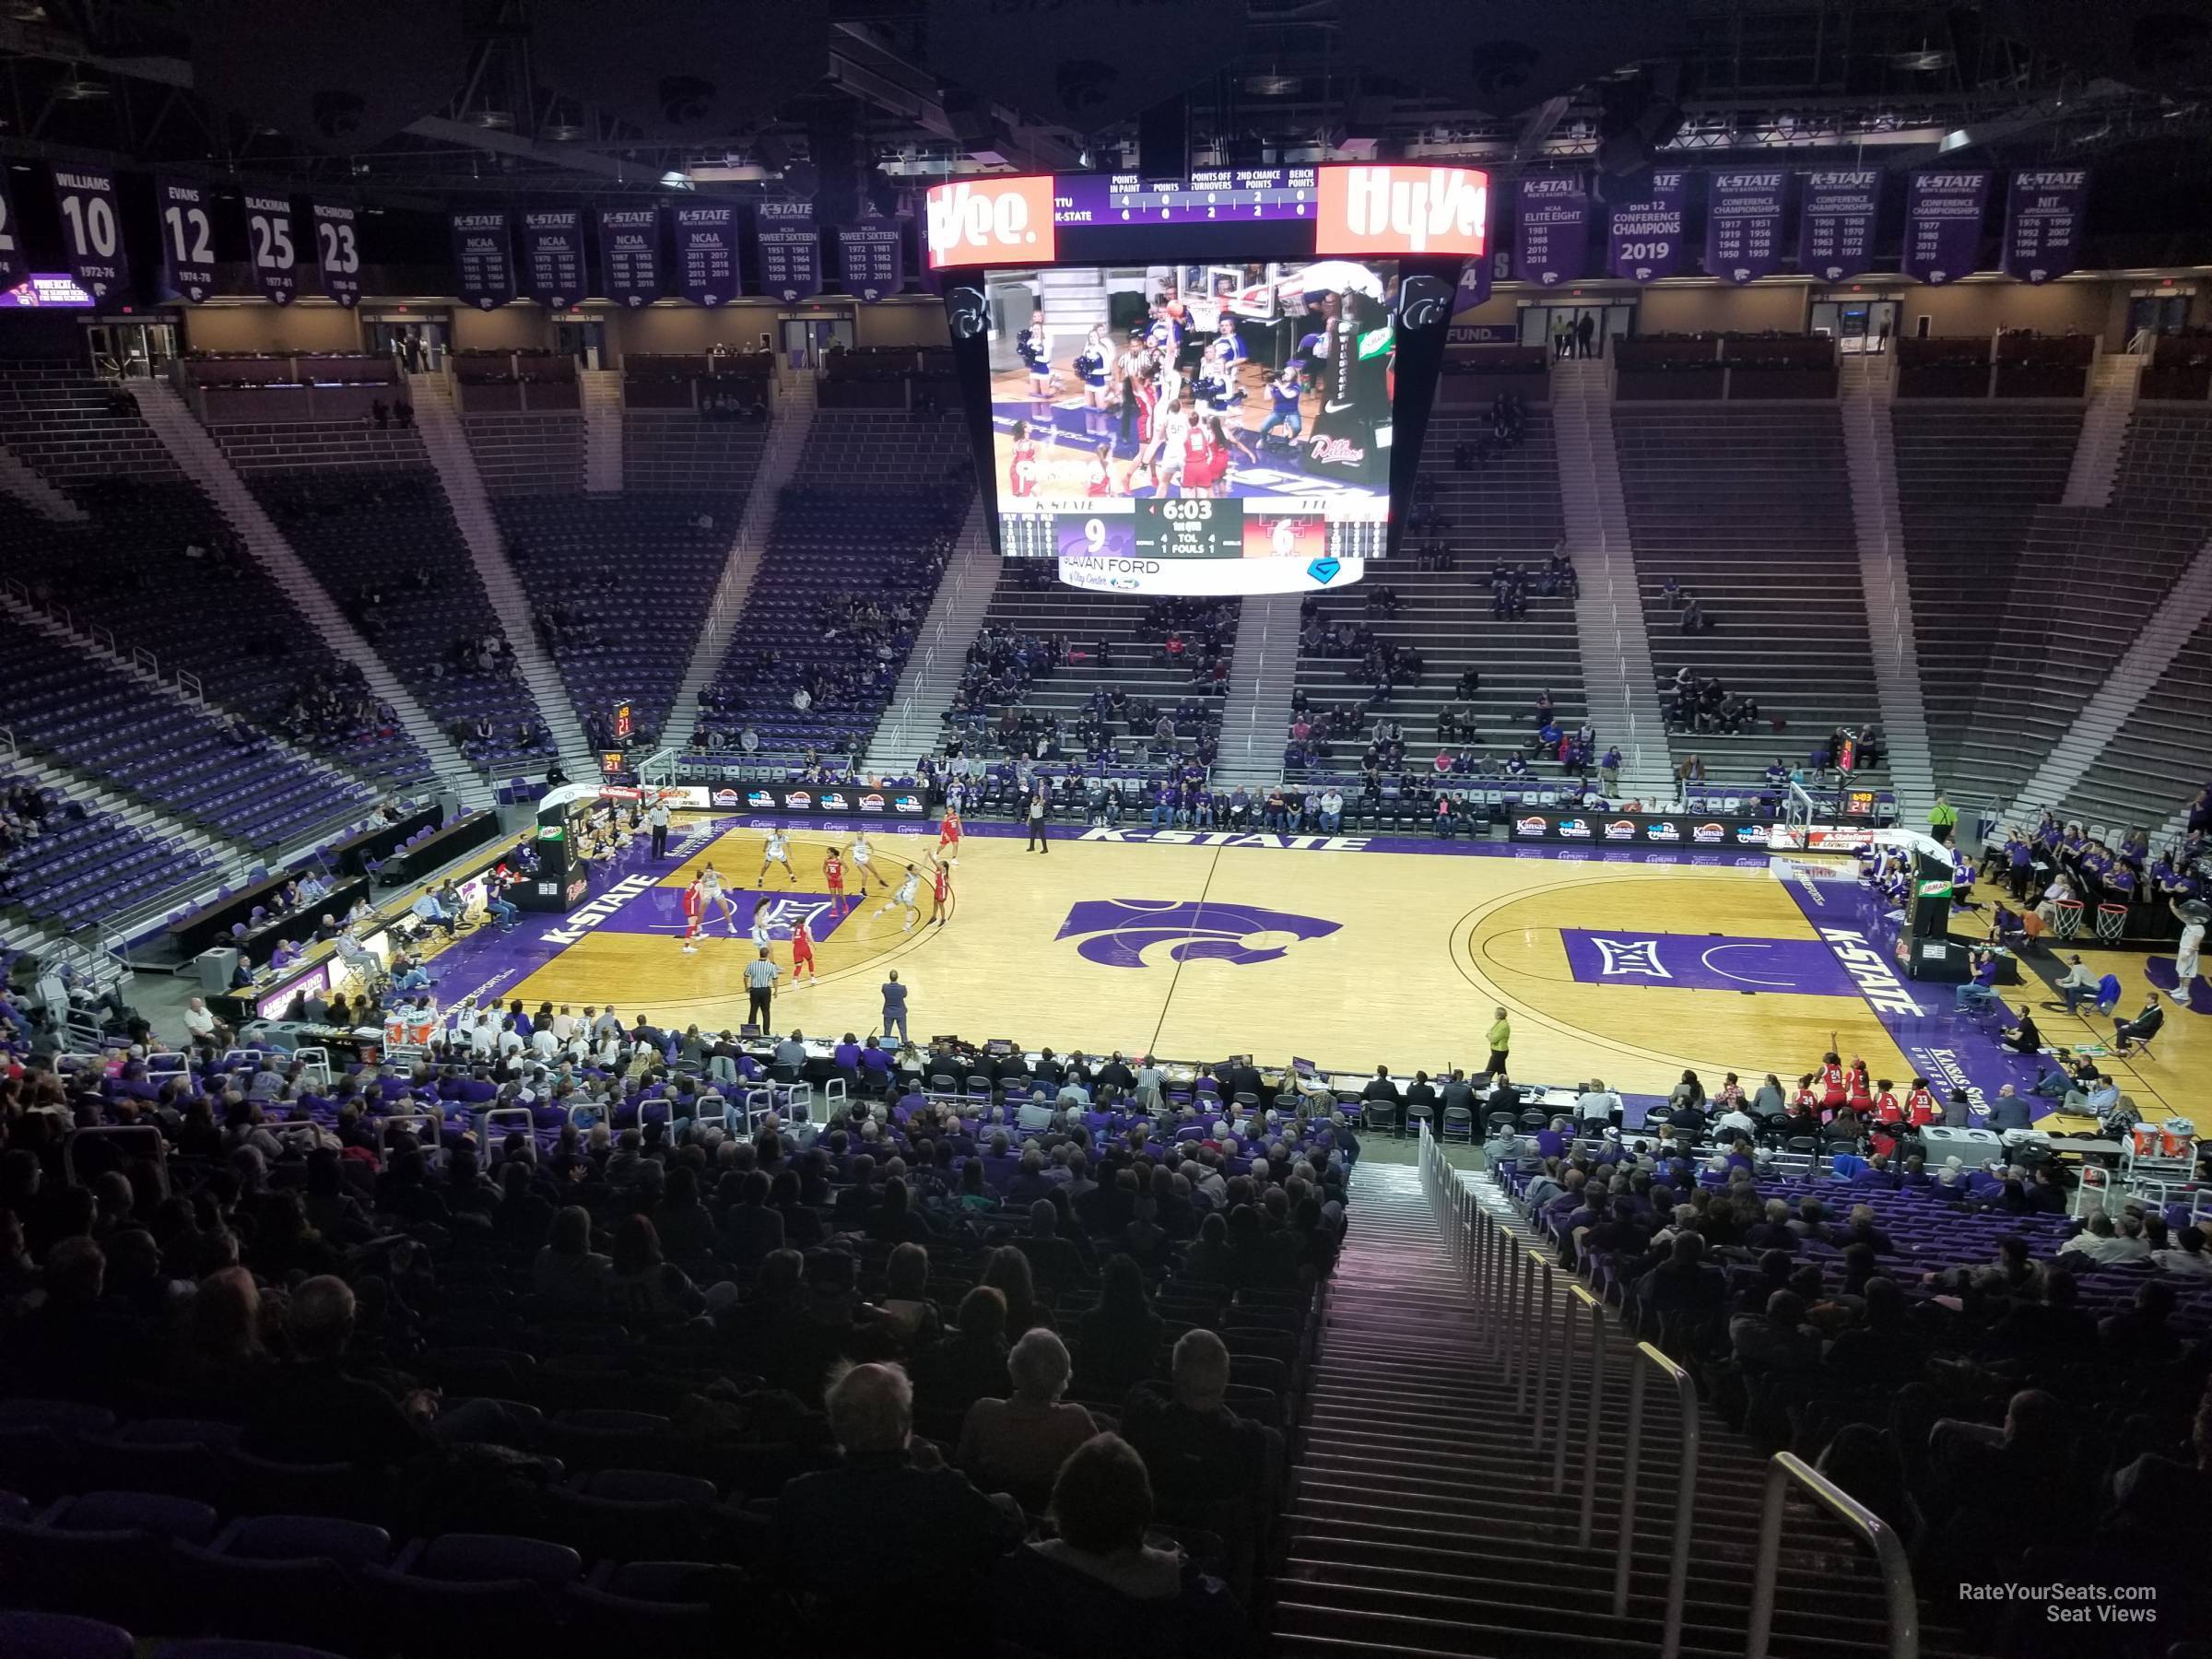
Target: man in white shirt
x=2188 y=1258
x=2105 y=1243
x=545 y=1042
x=1596 y=1103
x=658 y=818
x=1737 y=1121
x=1332 y=811
x=2077 y=983
x=203 y=1026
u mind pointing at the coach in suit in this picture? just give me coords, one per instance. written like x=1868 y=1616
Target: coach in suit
x=1380 y=1090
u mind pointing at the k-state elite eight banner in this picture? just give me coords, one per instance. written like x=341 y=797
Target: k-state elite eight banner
x=1552 y=229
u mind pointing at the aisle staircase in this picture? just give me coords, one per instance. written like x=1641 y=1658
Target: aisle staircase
x=779 y=463
x=34 y=492
x=1262 y=673
x=202 y=459
x=447 y=446
x=915 y=718
x=2105 y=431
x=1618 y=682
x=1870 y=456
x=1438 y=1510
x=603 y=435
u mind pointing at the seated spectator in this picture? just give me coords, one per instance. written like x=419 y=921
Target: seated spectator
x=969 y=1363
x=1019 y=1443
x=568 y=1273
x=1098 y=1590
x=1197 y=1451
x=1121 y=1335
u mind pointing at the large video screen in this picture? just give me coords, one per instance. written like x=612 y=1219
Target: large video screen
x=1194 y=428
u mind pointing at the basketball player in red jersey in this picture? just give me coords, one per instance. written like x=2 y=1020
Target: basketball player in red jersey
x=801 y=953
x=941 y=895
x=1831 y=1084
x=949 y=836
x=1920 y=1105
x=1021 y=475
x=833 y=876
x=695 y=911
x=1098 y=472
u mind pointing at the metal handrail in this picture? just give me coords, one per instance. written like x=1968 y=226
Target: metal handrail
x=1579 y=1301
x=1646 y=1360
x=1879 y=1536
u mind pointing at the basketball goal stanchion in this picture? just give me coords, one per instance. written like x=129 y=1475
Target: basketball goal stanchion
x=1644 y=1362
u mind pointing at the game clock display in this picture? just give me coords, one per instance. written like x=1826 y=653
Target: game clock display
x=1199 y=528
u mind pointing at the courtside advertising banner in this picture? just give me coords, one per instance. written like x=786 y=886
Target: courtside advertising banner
x=1943 y=223
x=990 y=222
x=2043 y=222
x=1743 y=224
x=553 y=256
x=1835 y=234
x=788 y=249
x=272 y=249
x=483 y=264
x=629 y=254
x=92 y=230
x=1552 y=229
x=706 y=253
x=1643 y=238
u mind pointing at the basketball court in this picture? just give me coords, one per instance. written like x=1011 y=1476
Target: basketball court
x=1348 y=951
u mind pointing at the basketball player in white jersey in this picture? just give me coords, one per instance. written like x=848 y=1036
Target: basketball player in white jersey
x=906 y=897
x=1174 y=435
x=863 y=861
x=762 y=938
x=710 y=890
x=778 y=853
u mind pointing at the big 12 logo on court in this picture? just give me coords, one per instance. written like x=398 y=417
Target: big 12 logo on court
x=991 y=222
x=1402 y=210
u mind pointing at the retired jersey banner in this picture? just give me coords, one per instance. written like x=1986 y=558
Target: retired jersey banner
x=1108 y=59
x=483 y=263
x=2043 y=221
x=1552 y=229
x=706 y=253
x=553 y=256
x=186 y=209
x=789 y=250
x=1943 y=223
x=1743 y=224
x=870 y=257
x=1835 y=235
x=272 y=252
x=13 y=266
x=337 y=255
x=629 y=254
x=1643 y=238
x=92 y=230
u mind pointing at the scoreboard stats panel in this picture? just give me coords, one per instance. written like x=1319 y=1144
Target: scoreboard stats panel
x=1196 y=546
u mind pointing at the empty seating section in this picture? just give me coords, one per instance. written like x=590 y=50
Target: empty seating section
x=63 y=423
x=676 y=450
x=68 y=706
x=527 y=454
x=868 y=449
x=157 y=567
x=384 y=544
x=1504 y=509
x=2157 y=763
x=1750 y=510
x=1969 y=482
x=295 y=446
x=617 y=585
x=2086 y=580
x=68 y=864
x=831 y=555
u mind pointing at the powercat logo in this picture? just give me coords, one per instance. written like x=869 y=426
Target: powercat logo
x=1402 y=210
x=1877 y=982
x=1141 y=933
x=987 y=221
x=581 y=921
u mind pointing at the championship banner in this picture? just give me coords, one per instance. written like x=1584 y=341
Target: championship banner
x=1113 y=59
x=676 y=70
x=13 y=269
x=1943 y=224
x=1835 y=233
x=1743 y=224
x=553 y=256
x=1643 y=238
x=869 y=255
x=270 y=249
x=2043 y=222
x=337 y=255
x=1552 y=229
x=1507 y=56
x=185 y=208
x=629 y=254
x=483 y=264
x=92 y=230
x=706 y=253
x=788 y=249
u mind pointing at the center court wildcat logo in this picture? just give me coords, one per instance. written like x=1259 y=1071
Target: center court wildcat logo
x=1119 y=933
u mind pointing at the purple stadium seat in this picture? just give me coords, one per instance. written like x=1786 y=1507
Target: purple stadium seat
x=58 y=1636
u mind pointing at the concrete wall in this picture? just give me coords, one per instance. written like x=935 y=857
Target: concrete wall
x=509 y=328
x=1780 y=307
x=300 y=327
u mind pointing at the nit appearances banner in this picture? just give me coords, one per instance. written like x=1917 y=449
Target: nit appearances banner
x=2043 y=222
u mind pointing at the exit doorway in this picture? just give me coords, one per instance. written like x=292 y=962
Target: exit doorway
x=1859 y=327
x=1540 y=325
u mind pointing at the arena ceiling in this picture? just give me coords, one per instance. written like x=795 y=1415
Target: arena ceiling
x=406 y=104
